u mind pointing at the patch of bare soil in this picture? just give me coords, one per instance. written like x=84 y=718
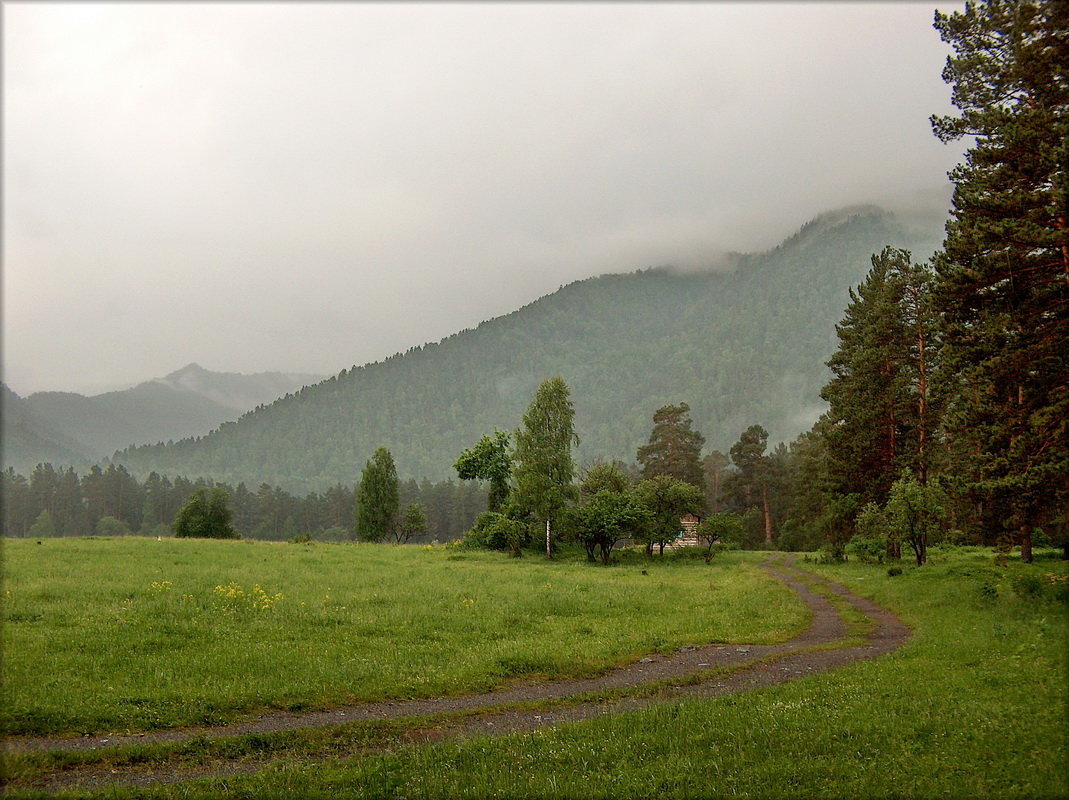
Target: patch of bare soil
x=775 y=664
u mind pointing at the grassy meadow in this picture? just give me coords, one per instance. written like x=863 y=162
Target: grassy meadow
x=973 y=706
x=136 y=633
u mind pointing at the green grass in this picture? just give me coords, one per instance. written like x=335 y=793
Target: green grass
x=133 y=633
x=973 y=706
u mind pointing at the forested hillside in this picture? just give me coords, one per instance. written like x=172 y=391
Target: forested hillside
x=740 y=347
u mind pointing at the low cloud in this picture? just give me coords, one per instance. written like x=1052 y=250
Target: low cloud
x=301 y=187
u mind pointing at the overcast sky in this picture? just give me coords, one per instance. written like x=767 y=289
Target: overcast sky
x=304 y=187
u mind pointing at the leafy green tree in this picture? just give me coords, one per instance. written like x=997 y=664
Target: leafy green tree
x=205 y=515
x=724 y=526
x=1003 y=275
x=872 y=542
x=602 y=477
x=668 y=500
x=488 y=460
x=543 y=455
x=674 y=448
x=916 y=512
x=413 y=523
x=377 y=498
x=755 y=472
x=608 y=517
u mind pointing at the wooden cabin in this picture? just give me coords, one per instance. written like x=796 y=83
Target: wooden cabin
x=688 y=532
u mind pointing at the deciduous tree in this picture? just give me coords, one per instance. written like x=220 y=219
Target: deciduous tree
x=608 y=517
x=377 y=498
x=915 y=512
x=205 y=516
x=413 y=523
x=543 y=455
x=724 y=526
x=668 y=500
x=488 y=460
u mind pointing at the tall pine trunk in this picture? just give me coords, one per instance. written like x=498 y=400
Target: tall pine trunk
x=1024 y=537
x=768 y=515
x=922 y=403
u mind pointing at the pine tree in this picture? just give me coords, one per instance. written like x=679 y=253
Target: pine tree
x=543 y=455
x=43 y=485
x=674 y=448
x=1003 y=276
x=70 y=513
x=17 y=505
x=713 y=466
x=755 y=471
x=377 y=498
x=153 y=509
x=880 y=411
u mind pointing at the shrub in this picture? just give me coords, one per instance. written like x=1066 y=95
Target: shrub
x=831 y=554
x=495 y=531
x=869 y=549
x=893 y=571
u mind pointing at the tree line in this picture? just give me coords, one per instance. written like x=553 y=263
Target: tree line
x=110 y=501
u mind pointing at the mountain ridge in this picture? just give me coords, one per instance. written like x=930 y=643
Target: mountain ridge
x=75 y=429
x=742 y=347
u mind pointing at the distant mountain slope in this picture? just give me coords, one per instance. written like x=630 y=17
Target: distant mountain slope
x=742 y=347
x=189 y=402
x=231 y=389
x=28 y=439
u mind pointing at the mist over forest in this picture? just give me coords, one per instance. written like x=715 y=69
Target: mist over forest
x=744 y=346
